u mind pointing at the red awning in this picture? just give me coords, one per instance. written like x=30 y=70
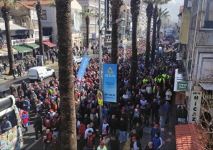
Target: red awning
x=49 y=44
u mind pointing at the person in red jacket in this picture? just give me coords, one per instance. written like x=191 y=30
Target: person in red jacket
x=25 y=120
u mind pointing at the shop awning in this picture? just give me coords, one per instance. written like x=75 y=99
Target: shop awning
x=4 y=52
x=32 y=45
x=49 y=44
x=207 y=86
x=22 y=48
x=190 y=137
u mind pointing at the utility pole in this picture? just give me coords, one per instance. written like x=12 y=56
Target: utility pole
x=100 y=59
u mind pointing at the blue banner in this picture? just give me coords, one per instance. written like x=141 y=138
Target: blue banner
x=83 y=66
x=110 y=82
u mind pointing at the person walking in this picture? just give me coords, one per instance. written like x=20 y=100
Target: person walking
x=157 y=141
x=38 y=125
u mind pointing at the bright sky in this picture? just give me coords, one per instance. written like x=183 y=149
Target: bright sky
x=173 y=7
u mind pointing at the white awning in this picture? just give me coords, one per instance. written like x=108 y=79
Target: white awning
x=207 y=86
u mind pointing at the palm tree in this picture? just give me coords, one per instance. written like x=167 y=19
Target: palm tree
x=87 y=13
x=67 y=134
x=154 y=33
x=115 y=10
x=135 y=8
x=5 y=14
x=149 y=11
x=39 y=14
x=161 y=14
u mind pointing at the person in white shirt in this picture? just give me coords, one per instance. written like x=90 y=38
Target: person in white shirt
x=88 y=131
x=105 y=127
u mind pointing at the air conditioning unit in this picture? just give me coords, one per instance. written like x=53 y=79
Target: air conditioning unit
x=189 y=5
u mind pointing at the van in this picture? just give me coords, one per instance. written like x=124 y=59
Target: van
x=11 y=137
x=40 y=73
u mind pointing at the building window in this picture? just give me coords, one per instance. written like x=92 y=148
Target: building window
x=208 y=21
x=44 y=15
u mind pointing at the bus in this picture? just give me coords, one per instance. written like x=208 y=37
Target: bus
x=11 y=137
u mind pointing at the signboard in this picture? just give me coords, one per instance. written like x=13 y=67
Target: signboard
x=22 y=41
x=179 y=83
x=195 y=103
x=100 y=98
x=110 y=82
x=182 y=86
x=83 y=66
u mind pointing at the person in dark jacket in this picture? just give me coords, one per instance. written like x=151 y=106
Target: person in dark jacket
x=38 y=125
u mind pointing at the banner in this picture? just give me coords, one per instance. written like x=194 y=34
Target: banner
x=83 y=66
x=110 y=82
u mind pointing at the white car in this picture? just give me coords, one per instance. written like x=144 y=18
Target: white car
x=40 y=73
x=77 y=59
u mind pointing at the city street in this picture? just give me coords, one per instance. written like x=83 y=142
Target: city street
x=134 y=74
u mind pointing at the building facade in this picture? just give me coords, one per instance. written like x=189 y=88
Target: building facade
x=49 y=23
x=93 y=6
x=197 y=51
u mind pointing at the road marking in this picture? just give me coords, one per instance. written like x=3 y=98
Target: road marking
x=34 y=143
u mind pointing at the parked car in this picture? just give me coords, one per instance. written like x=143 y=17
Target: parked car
x=40 y=73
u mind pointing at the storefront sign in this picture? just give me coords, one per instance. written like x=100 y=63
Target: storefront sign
x=182 y=86
x=22 y=41
x=110 y=82
x=195 y=105
x=179 y=83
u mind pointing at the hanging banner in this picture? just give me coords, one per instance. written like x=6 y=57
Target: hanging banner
x=194 y=112
x=83 y=66
x=110 y=82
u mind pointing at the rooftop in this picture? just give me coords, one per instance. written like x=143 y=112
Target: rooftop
x=189 y=137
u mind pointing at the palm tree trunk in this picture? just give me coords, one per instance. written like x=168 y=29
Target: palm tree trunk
x=87 y=31
x=148 y=47
x=148 y=42
x=5 y=14
x=39 y=13
x=67 y=132
x=134 y=66
x=115 y=14
x=154 y=34
x=158 y=29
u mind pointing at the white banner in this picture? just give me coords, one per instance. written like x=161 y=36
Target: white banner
x=195 y=105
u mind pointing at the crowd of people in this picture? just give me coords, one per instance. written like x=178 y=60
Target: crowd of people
x=146 y=105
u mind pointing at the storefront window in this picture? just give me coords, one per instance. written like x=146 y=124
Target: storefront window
x=208 y=22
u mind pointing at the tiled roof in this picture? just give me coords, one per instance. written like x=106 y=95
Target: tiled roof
x=189 y=137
